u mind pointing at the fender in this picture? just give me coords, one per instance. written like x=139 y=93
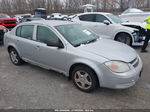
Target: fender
x=124 y=31
x=92 y=65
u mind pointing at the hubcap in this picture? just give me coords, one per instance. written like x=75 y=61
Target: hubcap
x=83 y=79
x=13 y=57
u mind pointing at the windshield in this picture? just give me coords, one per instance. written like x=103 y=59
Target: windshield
x=76 y=34
x=4 y=16
x=115 y=19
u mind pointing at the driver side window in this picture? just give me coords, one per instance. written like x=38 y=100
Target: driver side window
x=44 y=35
x=100 y=18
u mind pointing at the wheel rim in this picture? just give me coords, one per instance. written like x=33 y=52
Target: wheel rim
x=83 y=79
x=13 y=56
x=124 y=39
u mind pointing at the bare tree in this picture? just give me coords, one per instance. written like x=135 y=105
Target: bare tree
x=68 y=6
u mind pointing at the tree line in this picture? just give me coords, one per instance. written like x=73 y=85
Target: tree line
x=69 y=6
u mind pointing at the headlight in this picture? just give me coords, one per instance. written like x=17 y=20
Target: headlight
x=118 y=66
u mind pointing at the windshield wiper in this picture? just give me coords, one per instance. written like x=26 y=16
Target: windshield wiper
x=91 y=41
x=87 y=42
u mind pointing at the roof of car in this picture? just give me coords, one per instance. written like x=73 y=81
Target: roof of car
x=104 y=13
x=49 y=22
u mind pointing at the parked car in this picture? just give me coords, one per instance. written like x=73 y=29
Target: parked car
x=7 y=21
x=81 y=55
x=57 y=16
x=19 y=17
x=111 y=27
x=132 y=10
x=134 y=15
x=40 y=13
x=31 y=19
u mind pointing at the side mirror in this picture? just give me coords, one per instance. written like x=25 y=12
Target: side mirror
x=106 y=22
x=58 y=44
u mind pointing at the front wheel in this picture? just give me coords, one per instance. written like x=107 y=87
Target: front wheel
x=14 y=57
x=124 y=38
x=84 y=78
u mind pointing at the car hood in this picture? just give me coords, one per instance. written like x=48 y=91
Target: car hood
x=110 y=49
x=143 y=25
x=8 y=19
x=121 y=26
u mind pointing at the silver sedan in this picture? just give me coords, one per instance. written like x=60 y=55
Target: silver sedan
x=79 y=54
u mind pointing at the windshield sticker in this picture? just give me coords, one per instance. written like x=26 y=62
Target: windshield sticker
x=87 y=32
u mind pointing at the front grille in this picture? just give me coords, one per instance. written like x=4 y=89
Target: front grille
x=10 y=23
x=135 y=62
x=9 y=27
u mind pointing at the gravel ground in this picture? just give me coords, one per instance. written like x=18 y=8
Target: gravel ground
x=28 y=86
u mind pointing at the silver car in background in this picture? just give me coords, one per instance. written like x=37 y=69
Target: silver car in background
x=134 y=15
x=79 y=54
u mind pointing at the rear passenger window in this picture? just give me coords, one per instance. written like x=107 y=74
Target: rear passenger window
x=100 y=18
x=25 y=31
x=88 y=17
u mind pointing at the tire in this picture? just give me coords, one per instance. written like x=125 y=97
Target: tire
x=124 y=38
x=14 y=57
x=84 y=78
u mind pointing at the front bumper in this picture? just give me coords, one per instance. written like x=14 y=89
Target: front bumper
x=112 y=80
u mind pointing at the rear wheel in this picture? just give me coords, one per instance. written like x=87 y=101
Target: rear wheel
x=84 y=78
x=124 y=38
x=14 y=57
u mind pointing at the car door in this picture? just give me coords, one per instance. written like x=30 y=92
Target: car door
x=95 y=22
x=106 y=30
x=88 y=21
x=48 y=56
x=25 y=42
